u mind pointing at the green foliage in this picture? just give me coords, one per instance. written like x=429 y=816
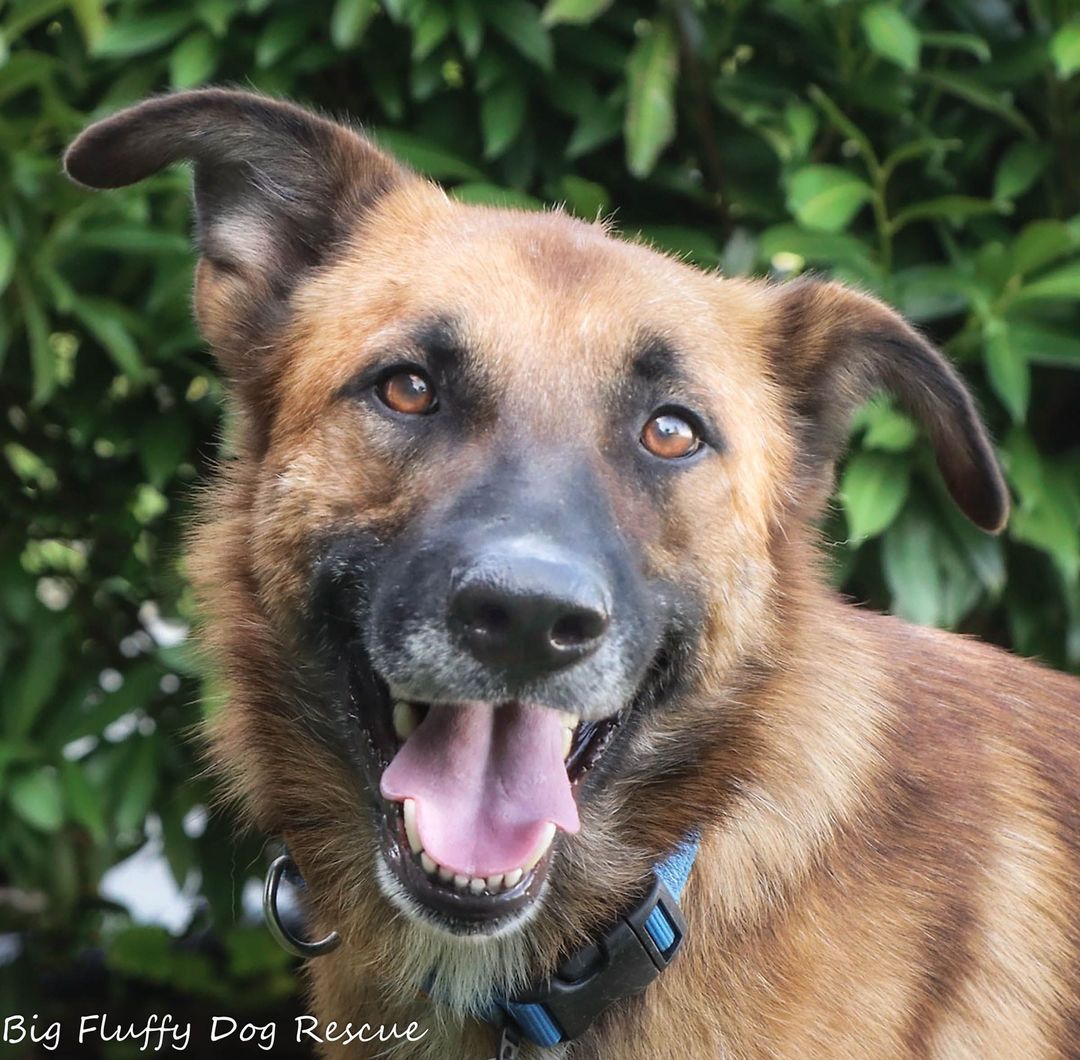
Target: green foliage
x=925 y=152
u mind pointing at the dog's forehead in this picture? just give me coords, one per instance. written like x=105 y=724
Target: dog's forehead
x=533 y=293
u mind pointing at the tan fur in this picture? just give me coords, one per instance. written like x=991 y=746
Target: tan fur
x=891 y=833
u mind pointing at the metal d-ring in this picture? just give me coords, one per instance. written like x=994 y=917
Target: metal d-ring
x=282 y=935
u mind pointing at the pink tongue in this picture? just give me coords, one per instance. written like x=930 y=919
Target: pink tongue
x=486 y=781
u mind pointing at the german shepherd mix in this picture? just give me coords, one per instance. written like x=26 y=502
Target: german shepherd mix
x=514 y=583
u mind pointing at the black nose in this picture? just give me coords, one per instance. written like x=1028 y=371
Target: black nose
x=528 y=614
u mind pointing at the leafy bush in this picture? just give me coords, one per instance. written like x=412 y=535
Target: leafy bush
x=926 y=152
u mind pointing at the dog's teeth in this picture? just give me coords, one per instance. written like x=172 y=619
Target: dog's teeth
x=512 y=879
x=408 y=811
x=569 y=719
x=494 y=882
x=541 y=847
x=461 y=882
x=405 y=718
x=477 y=885
x=567 y=742
x=428 y=863
x=445 y=874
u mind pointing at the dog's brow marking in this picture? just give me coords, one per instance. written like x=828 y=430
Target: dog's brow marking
x=656 y=360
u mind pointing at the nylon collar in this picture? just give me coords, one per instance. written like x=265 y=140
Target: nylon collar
x=621 y=963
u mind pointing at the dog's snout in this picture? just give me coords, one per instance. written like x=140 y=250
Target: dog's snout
x=527 y=614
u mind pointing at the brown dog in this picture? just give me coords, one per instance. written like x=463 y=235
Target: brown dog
x=490 y=459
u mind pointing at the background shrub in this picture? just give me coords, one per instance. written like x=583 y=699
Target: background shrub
x=927 y=152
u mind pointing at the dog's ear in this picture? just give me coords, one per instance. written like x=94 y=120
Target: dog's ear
x=837 y=347
x=277 y=188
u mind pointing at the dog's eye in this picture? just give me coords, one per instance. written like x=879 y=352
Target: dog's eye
x=407 y=391
x=670 y=435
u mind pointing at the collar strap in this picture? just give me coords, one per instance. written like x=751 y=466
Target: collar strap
x=629 y=956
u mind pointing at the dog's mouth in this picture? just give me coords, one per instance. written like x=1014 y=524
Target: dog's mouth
x=473 y=799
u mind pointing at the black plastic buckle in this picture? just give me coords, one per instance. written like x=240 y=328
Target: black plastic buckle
x=620 y=964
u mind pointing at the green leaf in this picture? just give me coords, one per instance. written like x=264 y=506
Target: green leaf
x=815 y=247
x=349 y=20
x=578 y=12
x=193 y=60
x=163 y=444
x=928 y=570
x=519 y=23
x=139 y=34
x=600 y=125
x=280 y=37
x=92 y=20
x=1058 y=284
x=1045 y=345
x=967 y=42
x=826 y=197
x=952 y=208
x=469 y=26
x=691 y=243
x=482 y=194
x=84 y=802
x=974 y=92
x=872 y=490
x=7 y=258
x=430 y=31
x=651 y=72
x=1019 y=168
x=502 y=114
x=1009 y=373
x=103 y=321
x=585 y=198
x=887 y=428
x=891 y=35
x=1040 y=243
x=1065 y=50
x=139 y=787
x=33 y=683
x=429 y=158
x=843 y=123
x=38 y=799
x=42 y=356
x=929 y=292
x=1051 y=526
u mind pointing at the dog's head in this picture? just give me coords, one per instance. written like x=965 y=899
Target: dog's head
x=508 y=491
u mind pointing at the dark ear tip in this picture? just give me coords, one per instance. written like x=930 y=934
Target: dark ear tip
x=985 y=501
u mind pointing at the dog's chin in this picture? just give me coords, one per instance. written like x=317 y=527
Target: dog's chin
x=424 y=890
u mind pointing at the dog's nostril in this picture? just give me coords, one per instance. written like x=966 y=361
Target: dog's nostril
x=578 y=629
x=490 y=619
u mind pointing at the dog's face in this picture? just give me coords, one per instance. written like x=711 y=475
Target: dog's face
x=515 y=488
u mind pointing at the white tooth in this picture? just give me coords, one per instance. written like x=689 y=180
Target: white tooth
x=445 y=874
x=541 y=847
x=494 y=882
x=512 y=879
x=408 y=811
x=568 y=719
x=428 y=863
x=567 y=742
x=404 y=719
x=477 y=885
x=461 y=882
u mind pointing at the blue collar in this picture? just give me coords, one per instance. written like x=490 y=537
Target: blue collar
x=622 y=962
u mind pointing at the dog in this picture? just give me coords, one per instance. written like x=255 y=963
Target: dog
x=514 y=584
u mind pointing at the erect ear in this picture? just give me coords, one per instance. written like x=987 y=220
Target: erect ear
x=838 y=347
x=277 y=189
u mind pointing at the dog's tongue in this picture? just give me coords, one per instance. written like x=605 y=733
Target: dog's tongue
x=486 y=780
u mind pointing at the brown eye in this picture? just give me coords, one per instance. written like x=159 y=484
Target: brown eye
x=408 y=392
x=670 y=436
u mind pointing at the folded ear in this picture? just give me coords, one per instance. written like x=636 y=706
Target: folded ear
x=277 y=189
x=838 y=347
